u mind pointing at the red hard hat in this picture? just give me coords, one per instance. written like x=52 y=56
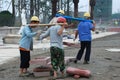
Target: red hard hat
x=61 y=20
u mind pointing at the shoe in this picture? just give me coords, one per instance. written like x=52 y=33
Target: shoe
x=26 y=74
x=86 y=62
x=29 y=73
x=23 y=75
x=75 y=61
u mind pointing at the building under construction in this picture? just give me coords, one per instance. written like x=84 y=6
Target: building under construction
x=103 y=9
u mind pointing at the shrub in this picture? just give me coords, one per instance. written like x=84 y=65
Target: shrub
x=6 y=18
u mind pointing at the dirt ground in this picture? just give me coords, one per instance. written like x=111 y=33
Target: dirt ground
x=104 y=65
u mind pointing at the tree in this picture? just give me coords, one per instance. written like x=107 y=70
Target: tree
x=6 y=18
x=37 y=7
x=42 y=8
x=92 y=4
x=31 y=8
x=68 y=7
x=54 y=7
x=75 y=7
x=13 y=7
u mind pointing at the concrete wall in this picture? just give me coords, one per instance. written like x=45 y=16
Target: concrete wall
x=9 y=35
x=8 y=30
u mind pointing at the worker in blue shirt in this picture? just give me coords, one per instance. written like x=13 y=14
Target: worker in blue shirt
x=26 y=45
x=85 y=38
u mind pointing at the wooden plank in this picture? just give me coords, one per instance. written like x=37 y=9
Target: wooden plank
x=41 y=25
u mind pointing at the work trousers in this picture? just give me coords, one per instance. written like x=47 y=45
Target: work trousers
x=84 y=45
x=24 y=58
x=57 y=58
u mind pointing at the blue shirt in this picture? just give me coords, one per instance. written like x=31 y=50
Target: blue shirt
x=26 y=40
x=84 y=31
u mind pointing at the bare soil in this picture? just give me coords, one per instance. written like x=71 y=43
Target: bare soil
x=104 y=65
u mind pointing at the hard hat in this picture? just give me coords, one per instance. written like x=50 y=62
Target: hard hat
x=61 y=11
x=35 y=18
x=87 y=14
x=61 y=20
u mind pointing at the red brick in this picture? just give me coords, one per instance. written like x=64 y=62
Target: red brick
x=40 y=60
x=42 y=69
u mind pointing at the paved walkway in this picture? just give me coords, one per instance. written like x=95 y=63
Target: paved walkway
x=9 y=51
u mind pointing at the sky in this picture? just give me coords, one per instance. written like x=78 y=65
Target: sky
x=116 y=6
x=83 y=6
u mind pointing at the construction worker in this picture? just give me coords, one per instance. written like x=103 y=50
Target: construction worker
x=87 y=17
x=26 y=45
x=84 y=31
x=56 y=45
x=58 y=14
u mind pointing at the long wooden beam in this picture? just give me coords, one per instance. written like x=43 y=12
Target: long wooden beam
x=47 y=24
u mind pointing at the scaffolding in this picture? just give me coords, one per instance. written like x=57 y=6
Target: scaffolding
x=103 y=9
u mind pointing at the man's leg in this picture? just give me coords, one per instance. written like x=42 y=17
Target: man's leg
x=80 y=52
x=88 y=52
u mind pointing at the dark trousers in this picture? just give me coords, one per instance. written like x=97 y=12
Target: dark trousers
x=84 y=45
x=24 y=58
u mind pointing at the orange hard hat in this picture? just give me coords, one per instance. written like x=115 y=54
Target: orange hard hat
x=61 y=20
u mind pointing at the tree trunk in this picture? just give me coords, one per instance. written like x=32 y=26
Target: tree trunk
x=54 y=7
x=68 y=7
x=92 y=4
x=13 y=7
x=92 y=12
x=38 y=7
x=13 y=11
x=35 y=6
x=31 y=8
x=75 y=7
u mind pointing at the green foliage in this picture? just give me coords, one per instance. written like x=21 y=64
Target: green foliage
x=6 y=18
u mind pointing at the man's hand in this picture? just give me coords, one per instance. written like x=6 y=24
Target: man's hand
x=74 y=39
x=38 y=34
x=65 y=25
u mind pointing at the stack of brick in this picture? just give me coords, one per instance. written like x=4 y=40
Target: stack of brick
x=43 y=69
x=41 y=61
x=45 y=65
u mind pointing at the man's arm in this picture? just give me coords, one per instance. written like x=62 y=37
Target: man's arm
x=60 y=31
x=93 y=29
x=76 y=34
x=44 y=35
